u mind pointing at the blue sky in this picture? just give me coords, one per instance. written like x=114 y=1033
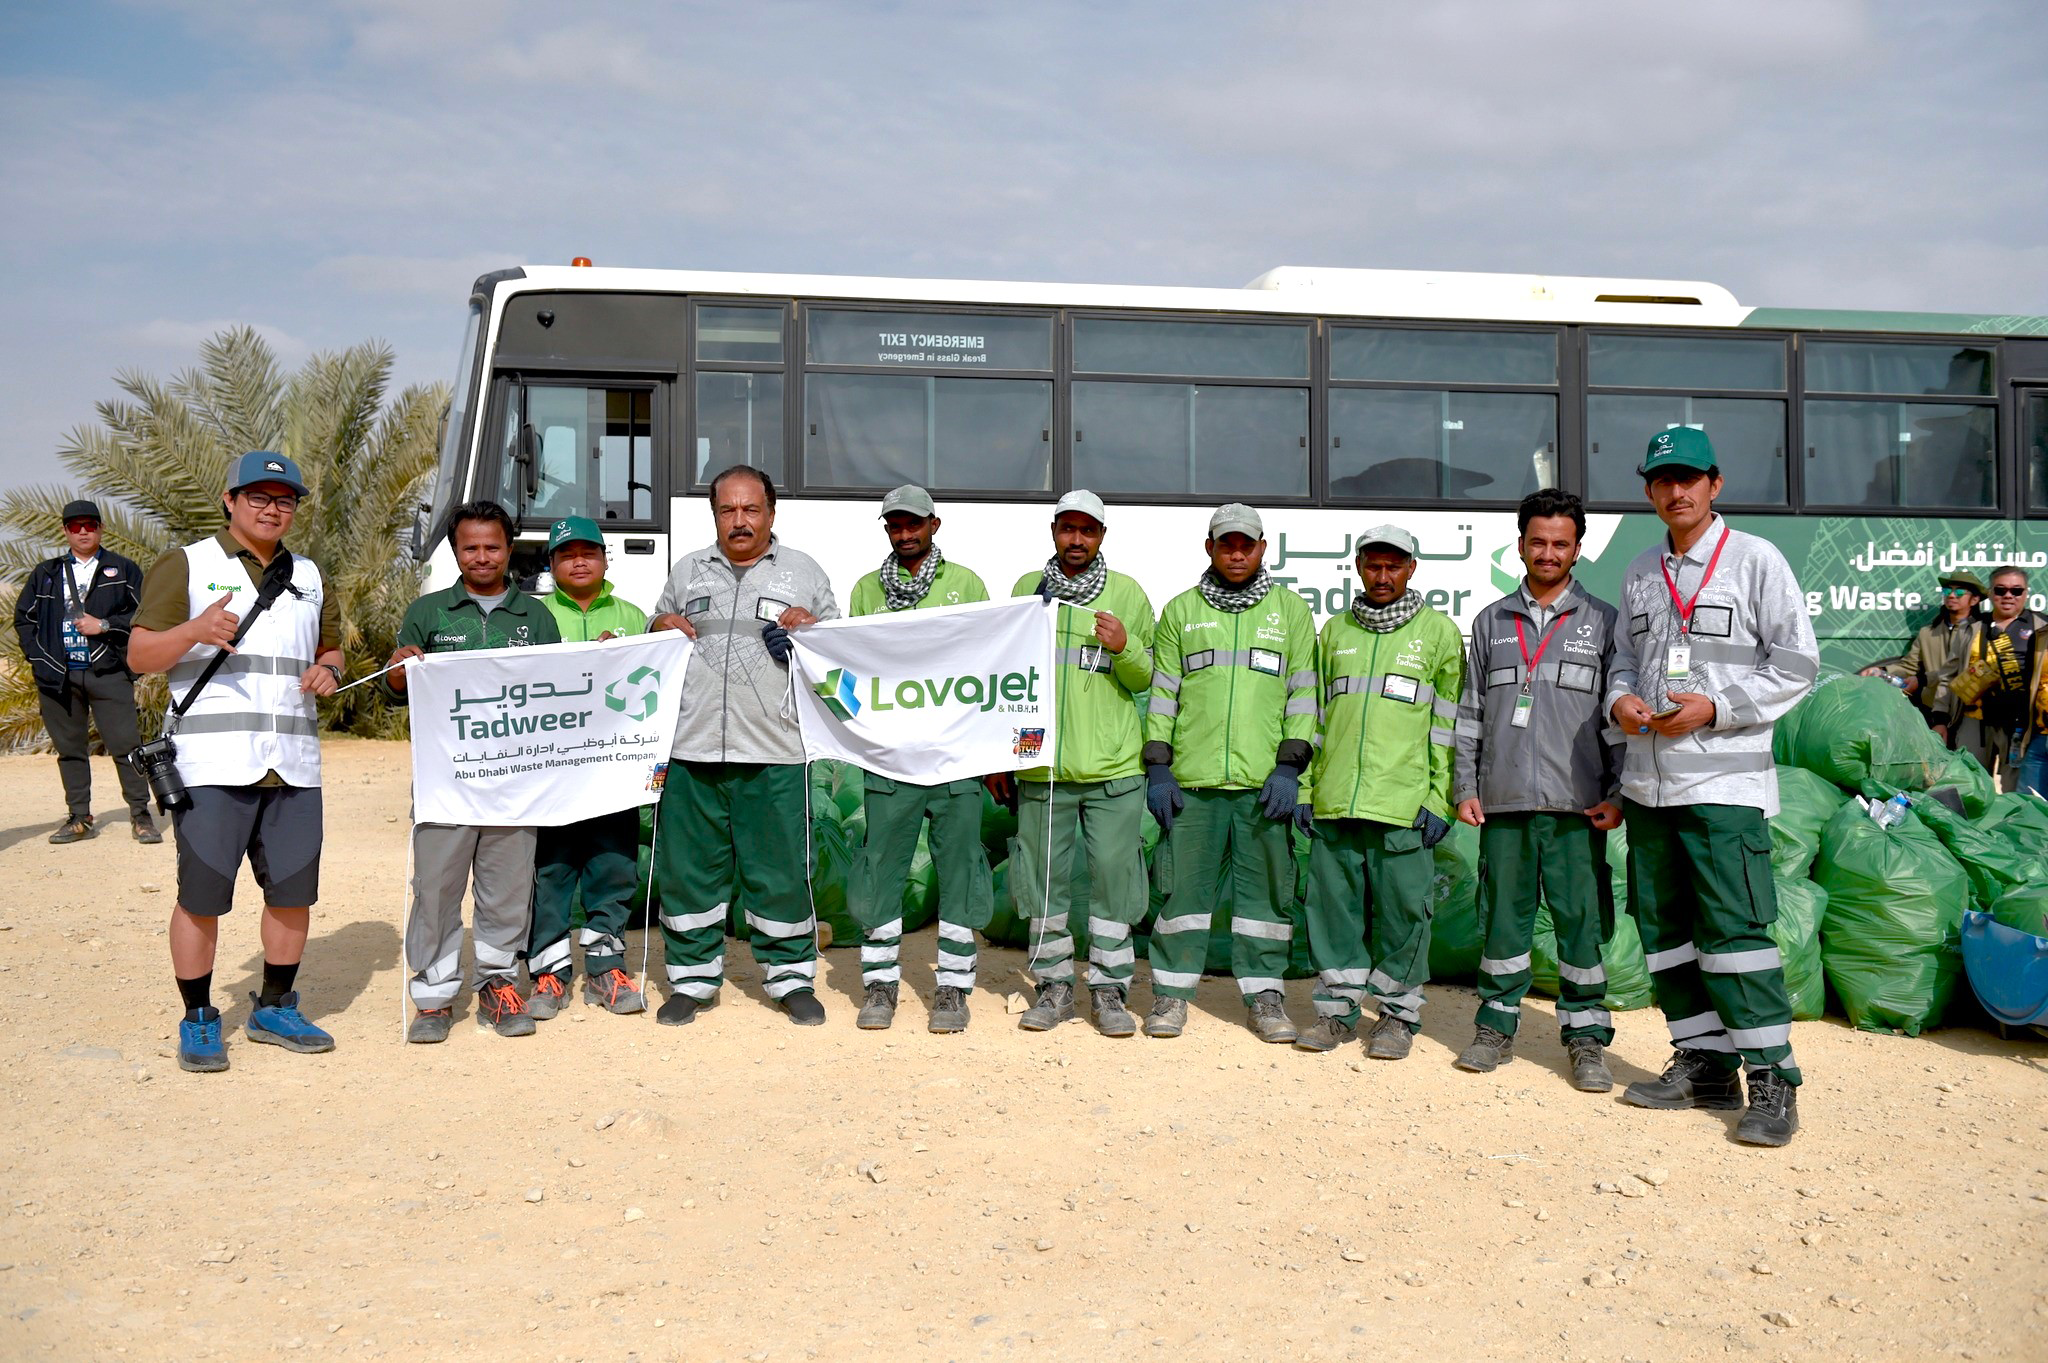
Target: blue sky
x=331 y=172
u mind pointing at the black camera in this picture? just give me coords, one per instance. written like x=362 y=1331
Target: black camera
x=158 y=763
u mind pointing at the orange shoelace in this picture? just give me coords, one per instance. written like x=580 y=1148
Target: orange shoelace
x=505 y=999
x=612 y=982
x=548 y=983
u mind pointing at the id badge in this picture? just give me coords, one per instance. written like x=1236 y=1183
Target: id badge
x=1397 y=687
x=1267 y=661
x=769 y=610
x=1525 y=705
x=1678 y=663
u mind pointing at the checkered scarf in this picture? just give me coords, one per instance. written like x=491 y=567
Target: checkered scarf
x=900 y=593
x=1078 y=591
x=1225 y=597
x=1386 y=619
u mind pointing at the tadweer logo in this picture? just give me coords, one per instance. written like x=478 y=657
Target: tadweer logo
x=637 y=695
x=837 y=691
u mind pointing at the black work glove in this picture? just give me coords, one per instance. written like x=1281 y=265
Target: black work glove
x=1304 y=817
x=777 y=639
x=1162 y=795
x=1434 y=830
x=1281 y=794
x=1044 y=588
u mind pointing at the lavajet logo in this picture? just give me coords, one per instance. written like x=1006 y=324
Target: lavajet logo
x=840 y=692
x=845 y=694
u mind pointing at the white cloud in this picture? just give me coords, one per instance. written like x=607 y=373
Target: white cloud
x=435 y=279
x=180 y=340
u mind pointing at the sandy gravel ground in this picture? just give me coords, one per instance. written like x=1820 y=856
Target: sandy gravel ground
x=745 y=1189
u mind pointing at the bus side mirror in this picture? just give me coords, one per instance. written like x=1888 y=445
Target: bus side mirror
x=528 y=459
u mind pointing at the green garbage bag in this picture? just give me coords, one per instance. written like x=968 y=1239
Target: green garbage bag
x=1455 y=932
x=1857 y=729
x=1805 y=804
x=2025 y=908
x=1891 y=934
x=1801 y=906
x=831 y=872
x=1993 y=864
x=998 y=826
x=1965 y=775
x=2021 y=820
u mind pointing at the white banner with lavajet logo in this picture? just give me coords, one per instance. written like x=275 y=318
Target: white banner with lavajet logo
x=544 y=736
x=930 y=695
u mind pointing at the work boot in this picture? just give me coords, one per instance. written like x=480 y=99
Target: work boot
x=803 y=1008
x=1391 y=1039
x=1773 y=1110
x=74 y=830
x=1055 y=1005
x=1168 y=1018
x=878 y=1010
x=1489 y=1050
x=500 y=1008
x=680 y=1010
x=430 y=1027
x=949 y=1010
x=143 y=829
x=613 y=991
x=1326 y=1033
x=1111 y=1017
x=1589 y=1065
x=1267 y=1016
x=550 y=992
x=1690 y=1080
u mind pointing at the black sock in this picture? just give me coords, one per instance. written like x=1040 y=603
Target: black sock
x=197 y=994
x=277 y=982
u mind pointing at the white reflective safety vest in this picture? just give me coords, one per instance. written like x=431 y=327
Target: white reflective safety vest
x=251 y=718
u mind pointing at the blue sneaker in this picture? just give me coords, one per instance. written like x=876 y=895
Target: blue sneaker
x=282 y=1024
x=199 y=1045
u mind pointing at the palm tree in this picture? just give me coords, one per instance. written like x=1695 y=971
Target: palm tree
x=158 y=459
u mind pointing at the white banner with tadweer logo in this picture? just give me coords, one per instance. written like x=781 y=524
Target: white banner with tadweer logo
x=547 y=735
x=930 y=695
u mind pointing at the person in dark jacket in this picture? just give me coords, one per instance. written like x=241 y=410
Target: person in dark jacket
x=73 y=618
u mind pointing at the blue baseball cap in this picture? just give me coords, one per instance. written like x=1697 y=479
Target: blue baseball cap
x=264 y=466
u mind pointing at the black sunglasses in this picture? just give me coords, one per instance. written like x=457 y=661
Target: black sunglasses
x=2008 y=591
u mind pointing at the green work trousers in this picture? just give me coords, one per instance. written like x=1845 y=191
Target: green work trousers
x=1223 y=849
x=1369 y=904
x=1111 y=816
x=1699 y=885
x=895 y=812
x=732 y=834
x=1555 y=859
x=594 y=859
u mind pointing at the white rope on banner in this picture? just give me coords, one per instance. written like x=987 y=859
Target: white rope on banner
x=647 y=912
x=390 y=667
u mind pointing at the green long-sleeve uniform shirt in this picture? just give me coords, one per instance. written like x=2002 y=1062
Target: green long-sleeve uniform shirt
x=1098 y=738
x=1228 y=686
x=952 y=585
x=1390 y=712
x=608 y=614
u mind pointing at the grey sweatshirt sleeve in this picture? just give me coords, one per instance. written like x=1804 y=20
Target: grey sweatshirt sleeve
x=1471 y=716
x=1789 y=655
x=1621 y=669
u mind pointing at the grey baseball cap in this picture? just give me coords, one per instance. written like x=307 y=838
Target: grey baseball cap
x=1385 y=536
x=911 y=500
x=1083 y=501
x=1236 y=518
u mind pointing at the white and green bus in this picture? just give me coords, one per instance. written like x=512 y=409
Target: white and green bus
x=1878 y=449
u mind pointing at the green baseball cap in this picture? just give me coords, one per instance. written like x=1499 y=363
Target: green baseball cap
x=571 y=529
x=1681 y=447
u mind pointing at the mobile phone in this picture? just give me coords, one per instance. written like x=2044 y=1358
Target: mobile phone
x=1666 y=714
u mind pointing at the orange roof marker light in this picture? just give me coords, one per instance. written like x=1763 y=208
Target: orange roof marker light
x=583 y=261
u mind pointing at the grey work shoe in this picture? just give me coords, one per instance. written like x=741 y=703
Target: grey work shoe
x=1490 y=1049
x=1589 y=1065
x=550 y=992
x=500 y=1009
x=1326 y=1033
x=430 y=1028
x=1055 y=1005
x=1168 y=1018
x=949 y=1010
x=1391 y=1039
x=1111 y=1017
x=878 y=1010
x=1267 y=1016
x=613 y=991
x=1773 y=1113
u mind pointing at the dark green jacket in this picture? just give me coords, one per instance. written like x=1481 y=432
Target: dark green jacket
x=450 y=621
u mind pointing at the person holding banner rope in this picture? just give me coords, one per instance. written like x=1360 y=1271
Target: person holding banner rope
x=732 y=831
x=596 y=856
x=1230 y=730
x=916 y=575
x=484 y=610
x=247 y=746
x=1095 y=785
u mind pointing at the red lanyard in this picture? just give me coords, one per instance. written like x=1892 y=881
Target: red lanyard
x=1685 y=607
x=1530 y=660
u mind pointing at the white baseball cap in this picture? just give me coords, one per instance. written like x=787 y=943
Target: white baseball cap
x=1083 y=501
x=1391 y=536
x=1236 y=518
x=911 y=500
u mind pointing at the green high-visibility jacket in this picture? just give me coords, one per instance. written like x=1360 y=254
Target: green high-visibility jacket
x=952 y=585
x=1390 y=714
x=1098 y=736
x=1227 y=687
x=607 y=614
